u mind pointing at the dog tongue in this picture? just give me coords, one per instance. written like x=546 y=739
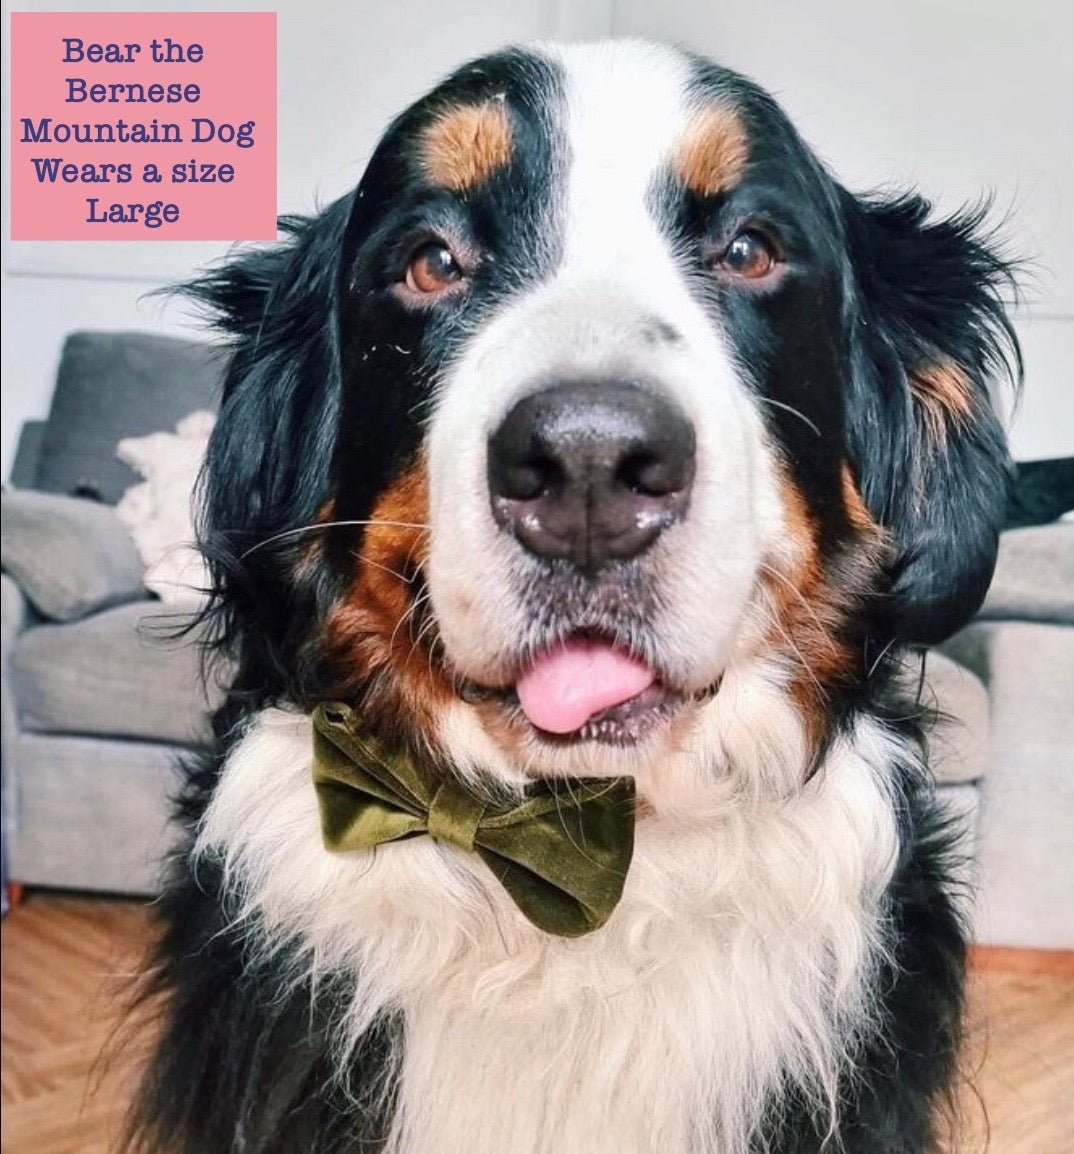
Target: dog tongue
x=565 y=687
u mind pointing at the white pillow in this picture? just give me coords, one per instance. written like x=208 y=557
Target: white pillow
x=159 y=511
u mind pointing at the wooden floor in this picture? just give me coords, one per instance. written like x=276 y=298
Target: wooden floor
x=67 y=961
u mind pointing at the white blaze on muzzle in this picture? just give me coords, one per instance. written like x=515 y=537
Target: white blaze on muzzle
x=618 y=309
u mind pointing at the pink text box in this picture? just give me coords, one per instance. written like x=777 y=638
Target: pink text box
x=67 y=120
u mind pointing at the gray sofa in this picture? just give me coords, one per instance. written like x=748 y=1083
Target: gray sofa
x=96 y=708
x=98 y=702
x=1021 y=648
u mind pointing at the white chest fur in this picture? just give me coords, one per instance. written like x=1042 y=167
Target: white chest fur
x=739 y=958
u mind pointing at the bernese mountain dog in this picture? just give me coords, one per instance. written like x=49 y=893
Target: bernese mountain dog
x=598 y=436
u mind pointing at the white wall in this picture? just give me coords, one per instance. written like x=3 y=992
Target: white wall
x=955 y=96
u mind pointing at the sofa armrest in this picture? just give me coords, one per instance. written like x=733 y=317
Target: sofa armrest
x=70 y=557
x=16 y=613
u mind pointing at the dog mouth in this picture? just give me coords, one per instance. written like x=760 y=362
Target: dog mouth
x=585 y=688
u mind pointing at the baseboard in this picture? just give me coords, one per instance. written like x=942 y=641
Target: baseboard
x=1015 y=960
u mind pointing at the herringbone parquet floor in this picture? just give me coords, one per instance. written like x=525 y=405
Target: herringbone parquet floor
x=67 y=962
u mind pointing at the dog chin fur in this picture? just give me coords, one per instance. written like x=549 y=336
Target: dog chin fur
x=740 y=962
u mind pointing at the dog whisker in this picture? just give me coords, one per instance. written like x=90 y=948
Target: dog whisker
x=407 y=580
x=408 y=616
x=793 y=411
x=320 y=525
x=792 y=643
x=802 y=600
x=880 y=657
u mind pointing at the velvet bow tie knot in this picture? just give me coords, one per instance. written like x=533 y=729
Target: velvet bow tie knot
x=561 y=852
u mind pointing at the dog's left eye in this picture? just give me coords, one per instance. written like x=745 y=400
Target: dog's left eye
x=432 y=269
x=750 y=255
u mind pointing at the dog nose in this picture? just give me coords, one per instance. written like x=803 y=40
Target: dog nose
x=591 y=471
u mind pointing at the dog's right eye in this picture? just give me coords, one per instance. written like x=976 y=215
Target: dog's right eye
x=432 y=269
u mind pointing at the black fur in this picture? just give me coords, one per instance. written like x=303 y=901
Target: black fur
x=325 y=397
x=267 y=468
x=924 y=290
x=247 y=1061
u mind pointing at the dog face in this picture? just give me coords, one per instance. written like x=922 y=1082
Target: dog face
x=615 y=413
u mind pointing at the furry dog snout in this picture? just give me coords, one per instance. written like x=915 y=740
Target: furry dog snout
x=591 y=471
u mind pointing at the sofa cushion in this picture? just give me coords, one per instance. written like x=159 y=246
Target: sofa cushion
x=958 y=744
x=92 y=813
x=115 y=385
x=1034 y=579
x=116 y=673
x=1027 y=820
x=70 y=557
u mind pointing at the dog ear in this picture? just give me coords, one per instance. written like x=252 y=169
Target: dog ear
x=267 y=466
x=930 y=342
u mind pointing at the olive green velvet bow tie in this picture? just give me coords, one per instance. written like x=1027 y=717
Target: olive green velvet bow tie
x=561 y=853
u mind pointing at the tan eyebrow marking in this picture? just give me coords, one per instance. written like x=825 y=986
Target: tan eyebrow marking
x=465 y=145
x=944 y=395
x=711 y=154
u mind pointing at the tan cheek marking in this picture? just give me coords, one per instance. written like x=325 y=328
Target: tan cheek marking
x=944 y=397
x=377 y=636
x=857 y=513
x=712 y=153
x=466 y=145
x=809 y=608
x=801 y=622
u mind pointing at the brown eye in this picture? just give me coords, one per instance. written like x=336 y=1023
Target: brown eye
x=432 y=269
x=750 y=256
